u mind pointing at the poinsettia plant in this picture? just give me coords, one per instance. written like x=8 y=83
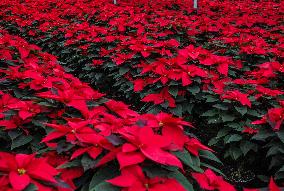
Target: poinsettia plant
x=64 y=117
x=221 y=69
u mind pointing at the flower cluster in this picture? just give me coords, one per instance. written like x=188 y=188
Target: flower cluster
x=81 y=125
x=221 y=69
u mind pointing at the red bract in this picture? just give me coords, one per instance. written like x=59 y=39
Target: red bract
x=69 y=98
x=210 y=181
x=237 y=96
x=6 y=101
x=161 y=97
x=133 y=179
x=250 y=130
x=26 y=109
x=24 y=169
x=274 y=117
x=272 y=186
x=72 y=131
x=172 y=129
x=95 y=145
x=153 y=146
x=120 y=108
x=194 y=146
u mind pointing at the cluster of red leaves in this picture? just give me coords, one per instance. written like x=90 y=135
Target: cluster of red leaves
x=154 y=139
x=274 y=117
x=175 y=64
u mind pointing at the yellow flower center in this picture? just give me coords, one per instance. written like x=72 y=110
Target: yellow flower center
x=73 y=131
x=21 y=171
x=161 y=123
x=147 y=186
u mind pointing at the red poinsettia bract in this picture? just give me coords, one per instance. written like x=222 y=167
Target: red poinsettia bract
x=24 y=169
x=210 y=181
x=133 y=179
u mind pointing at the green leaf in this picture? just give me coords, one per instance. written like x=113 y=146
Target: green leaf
x=234 y=138
x=189 y=160
x=213 y=141
x=87 y=162
x=177 y=110
x=14 y=134
x=246 y=146
x=210 y=113
x=193 y=89
x=31 y=187
x=154 y=171
x=280 y=135
x=103 y=174
x=279 y=176
x=105 y=186
x=241 y=110
x=123 y=70
x=223 y=132
x=173 y=90
x=253 y=112
x=20 y=141
x=212 y=168
x=182 y=180
x=262 y=135
x=235 y=152
x=281 y=169
x=214 y=120
x=227 y=117
x=221 y=107
x=73 y=163
x=210 y=98
x=63 y=146
x=209 y=155
x=276 y=149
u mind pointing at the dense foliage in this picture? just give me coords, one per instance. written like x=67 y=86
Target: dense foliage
x=221 y=70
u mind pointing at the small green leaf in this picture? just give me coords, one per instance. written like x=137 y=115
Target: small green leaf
x=105 y=186
x=227 y=117
x=103 y=174
x=210 y=98
x=246 y=146
x=223 y=132
x=20 y=141
x=177 y=110
x=73 y=163
x=235 y=153
x=210 y=113
x=234 y=138
x=209 y=155
x=193 y=89
x=242 y=110
x=123 y=70
x=191 y=161
x=31 y=187
x=182 y=180
x=87 y=162
x=173 y=90
x=14 y=134
x=262 y=135
x=213 y=141
x=212 y=168
x=280 y=135
x=221 y=107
